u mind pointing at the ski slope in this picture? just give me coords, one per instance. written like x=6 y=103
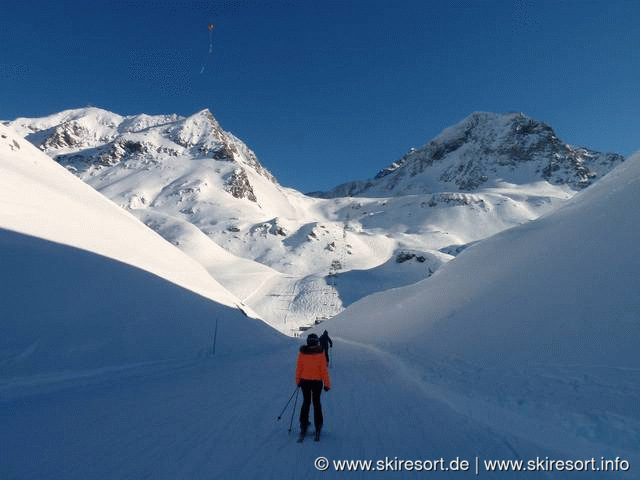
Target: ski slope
x=108 y=369
x=212 y=419
x=85 y=285
x=533 y=332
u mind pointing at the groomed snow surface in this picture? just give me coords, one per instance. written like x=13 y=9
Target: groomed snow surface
x=117 y=362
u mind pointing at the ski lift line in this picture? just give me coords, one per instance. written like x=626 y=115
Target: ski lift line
x=290 y=303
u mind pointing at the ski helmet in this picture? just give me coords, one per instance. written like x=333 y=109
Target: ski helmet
x=312 y=339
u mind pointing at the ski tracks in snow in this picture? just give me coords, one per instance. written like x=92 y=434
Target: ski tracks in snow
x=476 y=427
x=378 y=409
x=217 y=419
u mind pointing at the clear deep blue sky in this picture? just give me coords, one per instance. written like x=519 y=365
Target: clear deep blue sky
x=331 y=91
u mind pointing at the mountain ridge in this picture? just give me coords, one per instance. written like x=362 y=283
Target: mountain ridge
x=297 y=259
x=479 y=150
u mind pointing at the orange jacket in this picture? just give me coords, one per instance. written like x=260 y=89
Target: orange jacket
x=312 y=365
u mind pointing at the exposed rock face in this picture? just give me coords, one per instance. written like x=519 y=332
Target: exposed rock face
x=69 y=134
x=238 y=185
x=485 y=148
x=87 y=141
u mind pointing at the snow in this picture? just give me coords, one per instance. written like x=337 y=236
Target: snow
x=571 y=272
x=84 y=281
x=481 y=151
x=214 y=420
x=532 y=331
x=523 y=346
x=37 y=192
x=291 y=258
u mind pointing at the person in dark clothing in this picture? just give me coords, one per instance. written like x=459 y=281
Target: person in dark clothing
x=312 y=376
x=325 y=343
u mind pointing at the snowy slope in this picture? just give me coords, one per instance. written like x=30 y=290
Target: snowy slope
x=40 y=198
x=295 y=259
x=533 y=331
x=403 y=388
x=561 y=289
x=86 y=285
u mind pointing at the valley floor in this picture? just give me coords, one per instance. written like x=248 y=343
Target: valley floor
x=217 y=418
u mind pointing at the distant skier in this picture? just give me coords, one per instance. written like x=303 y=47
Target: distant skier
x=311 y=376
x=325 y=343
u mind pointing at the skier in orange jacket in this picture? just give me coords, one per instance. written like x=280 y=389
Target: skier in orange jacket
x=311 y=376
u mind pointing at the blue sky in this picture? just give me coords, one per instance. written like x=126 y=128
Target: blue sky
x=331 y=91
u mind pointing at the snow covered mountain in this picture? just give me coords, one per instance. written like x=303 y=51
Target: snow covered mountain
x=522 y=349
x=86 y=285
x=296 y=259
x=85 y=140
x=532 y=331
x=483 y=150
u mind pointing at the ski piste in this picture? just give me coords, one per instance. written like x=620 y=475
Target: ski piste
x=302 y=436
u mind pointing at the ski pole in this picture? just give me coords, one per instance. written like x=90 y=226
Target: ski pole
x=293 y=412
x=288 y=402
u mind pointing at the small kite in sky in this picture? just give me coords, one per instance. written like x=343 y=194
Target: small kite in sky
x=210 y=27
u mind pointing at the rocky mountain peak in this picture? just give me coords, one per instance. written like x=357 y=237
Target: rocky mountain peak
x=92 y=137
x=484 y=148
x=200 y=129
x=492 y=134
x=100 y=147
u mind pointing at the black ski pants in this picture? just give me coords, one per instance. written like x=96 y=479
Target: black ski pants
x=311 y=390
